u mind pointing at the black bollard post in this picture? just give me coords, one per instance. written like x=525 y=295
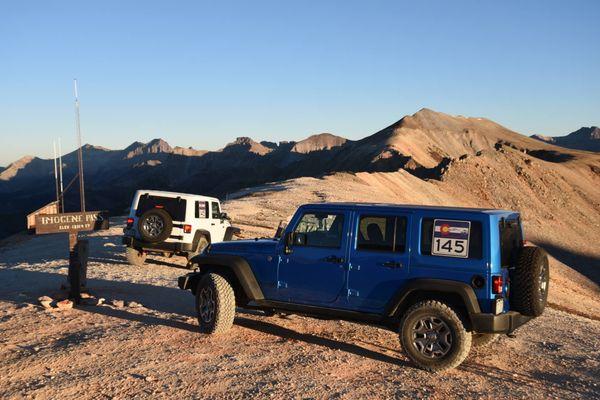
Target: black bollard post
x=74 y=269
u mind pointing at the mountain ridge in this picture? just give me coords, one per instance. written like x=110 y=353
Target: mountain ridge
x=424 y=144
x=585 y=138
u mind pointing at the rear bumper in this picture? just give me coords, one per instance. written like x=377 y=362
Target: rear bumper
x=501 y=323
x=162 y=246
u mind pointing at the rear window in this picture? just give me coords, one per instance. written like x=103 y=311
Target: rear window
x=475 y=238
x=175 y=206
x=511 y=240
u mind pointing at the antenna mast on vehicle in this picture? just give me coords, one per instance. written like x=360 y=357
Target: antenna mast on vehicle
x=80 y=150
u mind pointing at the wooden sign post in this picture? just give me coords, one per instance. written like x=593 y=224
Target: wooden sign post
x=72 y=224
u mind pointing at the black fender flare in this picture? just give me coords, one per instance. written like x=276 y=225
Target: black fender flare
x=438 y=286
x=229 y=232
x=197 y=234
x=236 y=264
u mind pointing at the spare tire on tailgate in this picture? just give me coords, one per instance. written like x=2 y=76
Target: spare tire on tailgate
x=155 y=225
x=529 y=282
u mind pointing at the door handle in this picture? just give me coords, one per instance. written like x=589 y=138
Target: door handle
x=392 y=264
x=334 y=259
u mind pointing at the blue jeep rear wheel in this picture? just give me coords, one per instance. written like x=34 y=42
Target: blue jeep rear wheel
x=434 y=337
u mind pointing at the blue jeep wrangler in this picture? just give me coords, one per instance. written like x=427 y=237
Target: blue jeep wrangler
x=443 y=278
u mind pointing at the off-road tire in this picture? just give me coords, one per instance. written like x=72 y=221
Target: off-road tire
x=202 y=243
x=135 y=257
x=223 y=298
x=483 y=339
x=155 y=215
x=529 y=282
x=460 y=338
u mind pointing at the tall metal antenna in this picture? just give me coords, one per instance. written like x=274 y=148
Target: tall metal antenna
x=56 y=175
x=60 y=178
x=80 y=151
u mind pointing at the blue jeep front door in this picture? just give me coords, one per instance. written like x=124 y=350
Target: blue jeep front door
x=315 y=270
x=379 y=259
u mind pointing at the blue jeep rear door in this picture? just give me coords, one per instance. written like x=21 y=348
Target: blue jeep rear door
x=315 y=271
x=379 y=258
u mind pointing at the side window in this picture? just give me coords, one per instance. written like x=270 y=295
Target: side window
x=475 y=238
x=320 y=230
x=215 y=210
x=382 y=233
x=201 y=209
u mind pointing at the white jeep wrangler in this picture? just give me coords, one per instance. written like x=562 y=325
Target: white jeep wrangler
x=169 y=224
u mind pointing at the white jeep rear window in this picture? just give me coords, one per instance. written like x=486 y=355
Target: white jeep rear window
x=175 y=206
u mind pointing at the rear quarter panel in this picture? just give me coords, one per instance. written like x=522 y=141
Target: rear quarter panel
x=451 y=268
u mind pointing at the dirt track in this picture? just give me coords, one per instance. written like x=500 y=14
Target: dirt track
x=156 y=351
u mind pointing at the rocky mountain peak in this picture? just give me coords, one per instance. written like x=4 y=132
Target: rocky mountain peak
x=159 y=146
x=88 y=146
x=584 y=138
x=244 y=143
x=152 y=147
x=133 y=146
x=321 y=141
x=13 y=168
x=592 y=133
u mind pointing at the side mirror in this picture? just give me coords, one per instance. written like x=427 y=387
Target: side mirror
x=224 y=215
x=288 y=241
x=299 y=239
x=292 y=239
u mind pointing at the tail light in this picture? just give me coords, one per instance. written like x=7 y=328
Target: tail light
x=187 y=229
x=497 y=284
x=159 y=206
x=129 y=222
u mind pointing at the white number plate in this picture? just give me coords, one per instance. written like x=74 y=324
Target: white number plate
x=450 y=238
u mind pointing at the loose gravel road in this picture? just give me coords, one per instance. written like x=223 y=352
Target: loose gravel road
x=153 y=348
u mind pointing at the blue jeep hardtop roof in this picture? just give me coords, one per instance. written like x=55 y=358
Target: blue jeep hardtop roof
x=407 y=207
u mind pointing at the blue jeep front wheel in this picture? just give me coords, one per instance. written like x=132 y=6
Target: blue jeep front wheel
x=434 y=337
x=215 y=304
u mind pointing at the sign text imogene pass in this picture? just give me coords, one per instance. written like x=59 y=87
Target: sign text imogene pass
x=71 y=222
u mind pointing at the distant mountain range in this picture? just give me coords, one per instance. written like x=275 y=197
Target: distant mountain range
x=582 y=139
x=423 y=144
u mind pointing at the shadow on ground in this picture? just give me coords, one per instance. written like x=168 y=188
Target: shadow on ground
x=500 y=376
x=18 y=285
x=587 y=265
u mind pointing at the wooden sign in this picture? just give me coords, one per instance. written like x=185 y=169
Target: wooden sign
x=71 y=222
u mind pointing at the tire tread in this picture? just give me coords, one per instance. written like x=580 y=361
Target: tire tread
x=225 y=307
x=462 y=335
x=523 y=281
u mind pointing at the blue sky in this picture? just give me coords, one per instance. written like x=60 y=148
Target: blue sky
x=200 y=74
